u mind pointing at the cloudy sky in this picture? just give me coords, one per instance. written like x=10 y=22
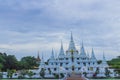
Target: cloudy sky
x=29 y=26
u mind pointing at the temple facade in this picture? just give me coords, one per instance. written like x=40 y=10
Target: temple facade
x=75 y=61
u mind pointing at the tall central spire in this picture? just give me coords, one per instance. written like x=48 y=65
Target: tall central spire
x=71 y=37
x=71 y=44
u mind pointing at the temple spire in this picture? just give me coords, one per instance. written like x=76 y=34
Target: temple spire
x=52 y=55
x=104 y=62
x=83 y=50
x=42 y=58
x=93 y=55
x=42 y=64
x=38 y=57
x=71 y=44
x=71 y=37
x=61 y=50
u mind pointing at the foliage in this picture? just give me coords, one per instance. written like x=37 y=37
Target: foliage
x=42 y=72
x=107 y=72
x=99 y=61
x=7 y=62
x=2 y=61
x=56 y=75
x=85 y=74
x=96 y=72
x=10 y=62
x=10 y=73
x=1 y=75
x=115 y=63
x=30 y=74
x=1 y=66
x=23 y=73
x=28 y=62
x=46 y=63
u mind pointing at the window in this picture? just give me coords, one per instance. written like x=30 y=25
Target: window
x=91 y=68
x=66 y=58
x=54 y=69
x=89 y=63
x=48 y=68
x=61 y=64
x=84 y=64
x=56 y=63
x=79 y=68
x=88 y=69
x=51 y=63
x=66 y=68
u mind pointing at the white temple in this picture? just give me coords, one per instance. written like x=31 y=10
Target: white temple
x=69 y=62
x=75 y=61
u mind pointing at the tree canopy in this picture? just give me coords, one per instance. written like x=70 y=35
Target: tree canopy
x=10 y=62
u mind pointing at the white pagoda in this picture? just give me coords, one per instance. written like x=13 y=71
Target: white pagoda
x=75 y=61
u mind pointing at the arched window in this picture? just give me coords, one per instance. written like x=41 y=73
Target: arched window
x=84 y=63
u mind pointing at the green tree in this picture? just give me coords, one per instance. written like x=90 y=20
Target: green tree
x=1 y=75
x=2 y=60
x=1 y=66
x=28 y=62
x=11 y=62
x=115 y=63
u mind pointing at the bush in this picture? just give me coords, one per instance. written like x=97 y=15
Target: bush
x=1 y=75
x=20 y=77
